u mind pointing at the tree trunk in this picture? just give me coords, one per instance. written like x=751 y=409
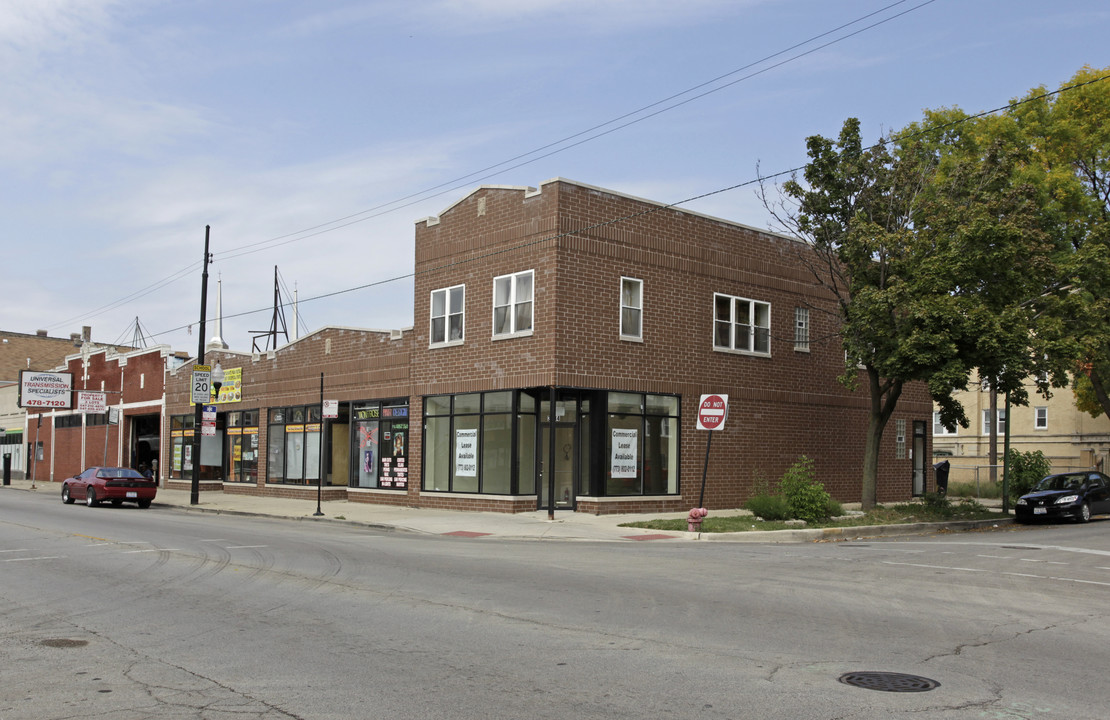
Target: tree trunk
x=884 y=398
x=1100 y=391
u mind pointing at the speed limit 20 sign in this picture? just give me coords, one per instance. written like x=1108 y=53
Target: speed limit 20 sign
x=202 y=384
x=712 y=412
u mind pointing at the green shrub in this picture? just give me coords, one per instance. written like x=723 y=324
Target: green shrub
x=984 y=489
x=835 y=508
x=1025 y=470
x=806 y=497
x=768 y=506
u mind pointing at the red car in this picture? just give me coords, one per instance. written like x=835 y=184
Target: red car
x=115 y=484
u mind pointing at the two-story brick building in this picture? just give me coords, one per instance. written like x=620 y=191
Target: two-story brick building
x=562 y=338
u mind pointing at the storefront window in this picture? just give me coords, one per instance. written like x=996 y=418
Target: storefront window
x=294 y=451
x=242 y=446
x=181 y=451
x=379 y=444
x=469 y=445
x=642 y=444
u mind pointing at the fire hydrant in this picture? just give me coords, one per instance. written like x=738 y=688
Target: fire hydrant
x=694 y=519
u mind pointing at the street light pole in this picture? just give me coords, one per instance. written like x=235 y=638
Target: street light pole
x=194 y=497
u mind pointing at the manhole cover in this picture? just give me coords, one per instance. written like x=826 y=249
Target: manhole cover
x=63 y=643
x=888 y=681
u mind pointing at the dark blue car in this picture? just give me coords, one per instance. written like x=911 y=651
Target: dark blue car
x=1074 y=495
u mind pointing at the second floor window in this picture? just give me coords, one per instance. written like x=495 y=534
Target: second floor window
x=512 y=304
x=632 y=308
x=447 y=315
x=741 y=324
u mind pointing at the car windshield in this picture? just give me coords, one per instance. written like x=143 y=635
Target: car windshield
x=1061 y=482
x=119 y=473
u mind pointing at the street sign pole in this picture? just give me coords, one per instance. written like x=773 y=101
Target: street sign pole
x=712 y=413
x=320 y=470
x=194 y=494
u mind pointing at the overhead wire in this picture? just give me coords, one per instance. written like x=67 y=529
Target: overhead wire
x=505 y=165
x=660 y=207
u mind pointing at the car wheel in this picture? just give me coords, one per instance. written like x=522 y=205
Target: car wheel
x=144 y=503
x=90 y=497
x=1084 y=513
x=66 y=497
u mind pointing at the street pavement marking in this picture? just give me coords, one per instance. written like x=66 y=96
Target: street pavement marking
x=46 y=557
x=16 y=550
x=132 y=552
x=935 y=567
x=244 y=547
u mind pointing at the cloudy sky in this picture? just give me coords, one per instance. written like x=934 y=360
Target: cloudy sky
x=311 y=136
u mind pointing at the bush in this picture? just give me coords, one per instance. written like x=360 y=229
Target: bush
x=1025 y=470
x=806 y=497
x=769 y=507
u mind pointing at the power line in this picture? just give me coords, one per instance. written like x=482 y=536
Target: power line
x=506 y=165
x=660 y=207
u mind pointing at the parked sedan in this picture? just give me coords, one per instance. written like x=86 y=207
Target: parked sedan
x=114 y=484
x=1075 y=495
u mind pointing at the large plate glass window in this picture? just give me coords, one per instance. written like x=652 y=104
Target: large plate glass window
x=512 y=304
x=294 y=445
x=242 y=444
x=469 y=442
x=641 y=444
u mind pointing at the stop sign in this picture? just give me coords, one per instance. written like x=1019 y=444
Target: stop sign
x=712 y=411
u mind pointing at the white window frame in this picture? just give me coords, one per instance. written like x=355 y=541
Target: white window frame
x=801 y=329
x=628 y=308
x=1040 y=418
x=449 y=313
x=745 y=332
x=986 y=425
x=939 y=430
x=515 y=303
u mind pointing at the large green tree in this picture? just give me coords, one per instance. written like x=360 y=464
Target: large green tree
x=1069 y=134
x=929 y=242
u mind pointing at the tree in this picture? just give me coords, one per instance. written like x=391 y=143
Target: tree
x=1070 y=133
x=922 y=240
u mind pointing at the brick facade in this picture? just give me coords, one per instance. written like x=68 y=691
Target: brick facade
x=133 y=383
x=579 y=241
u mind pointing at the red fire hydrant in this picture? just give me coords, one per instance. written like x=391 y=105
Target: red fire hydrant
x=693 y=520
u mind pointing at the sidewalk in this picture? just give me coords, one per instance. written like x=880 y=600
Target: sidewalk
x=567 y=525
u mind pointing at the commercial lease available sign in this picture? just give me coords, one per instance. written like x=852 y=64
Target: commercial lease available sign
x=45 y=390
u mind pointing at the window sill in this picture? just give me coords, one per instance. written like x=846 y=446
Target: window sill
x=631 y=339
x=749 y=353
x=451 y=343
x=510 y=336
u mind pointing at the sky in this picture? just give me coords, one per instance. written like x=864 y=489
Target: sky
x=312 y=136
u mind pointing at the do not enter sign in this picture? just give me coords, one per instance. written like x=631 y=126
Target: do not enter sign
x=712 y=411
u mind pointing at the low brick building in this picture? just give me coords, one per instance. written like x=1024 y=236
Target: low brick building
x=562 y=339
x=68 y=441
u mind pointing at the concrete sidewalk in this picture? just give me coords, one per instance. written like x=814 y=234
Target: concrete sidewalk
x=567 y=525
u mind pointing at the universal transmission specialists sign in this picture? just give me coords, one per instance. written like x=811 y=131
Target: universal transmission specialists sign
x=45 y=390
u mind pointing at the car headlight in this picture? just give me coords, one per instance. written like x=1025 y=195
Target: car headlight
x=1067 y=499
x=1021 y=501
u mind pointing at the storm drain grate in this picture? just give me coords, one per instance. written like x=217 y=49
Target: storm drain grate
x=888 y=681
x=63 y=643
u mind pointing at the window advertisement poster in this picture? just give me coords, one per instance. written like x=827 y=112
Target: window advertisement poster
x=466 y=453
x=45 y=390
x=395 y=472
x=625 y=452
x=232 y=389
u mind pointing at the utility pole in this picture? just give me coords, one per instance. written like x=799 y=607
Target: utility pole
x=194 y=497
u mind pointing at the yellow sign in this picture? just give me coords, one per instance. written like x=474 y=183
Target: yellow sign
x=232 y=389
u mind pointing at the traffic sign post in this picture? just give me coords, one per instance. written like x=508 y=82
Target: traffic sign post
x=712 y=413
x=202 y=384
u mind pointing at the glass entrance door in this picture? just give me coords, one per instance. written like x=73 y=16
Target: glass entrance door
x=562 y=472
